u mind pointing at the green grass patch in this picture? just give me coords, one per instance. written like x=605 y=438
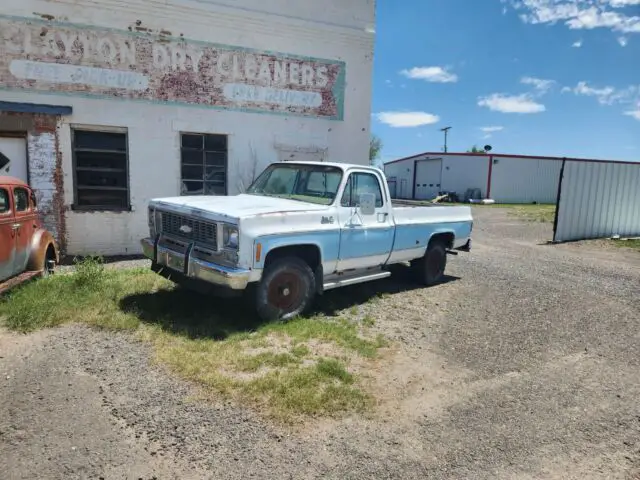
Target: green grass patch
x=301 y=367
x=633 y=244
x=533 y=213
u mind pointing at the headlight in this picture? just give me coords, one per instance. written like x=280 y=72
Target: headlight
x=230 y=237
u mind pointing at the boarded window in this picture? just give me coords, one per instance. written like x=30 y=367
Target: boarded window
x=101 y=177
x=203 y=164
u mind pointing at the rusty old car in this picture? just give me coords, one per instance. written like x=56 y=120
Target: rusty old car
x=27 y=248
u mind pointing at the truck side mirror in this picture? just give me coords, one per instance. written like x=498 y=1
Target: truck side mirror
x=367 y=203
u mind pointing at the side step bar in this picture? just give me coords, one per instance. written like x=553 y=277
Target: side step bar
x=355 y=280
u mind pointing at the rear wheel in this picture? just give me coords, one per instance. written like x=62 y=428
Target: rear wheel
x=286 y=290
x=429 y=270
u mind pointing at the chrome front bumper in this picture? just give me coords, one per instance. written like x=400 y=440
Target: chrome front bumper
x=233 y=278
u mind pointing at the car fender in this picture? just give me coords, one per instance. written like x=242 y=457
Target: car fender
x=40 y=242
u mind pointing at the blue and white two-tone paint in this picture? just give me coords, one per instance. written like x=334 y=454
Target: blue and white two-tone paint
x=337 y=218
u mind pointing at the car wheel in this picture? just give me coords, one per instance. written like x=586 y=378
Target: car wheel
x=286 y=290
x=49 y=264
x=429 y=270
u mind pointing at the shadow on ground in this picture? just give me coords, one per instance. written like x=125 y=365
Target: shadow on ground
x=195 y=315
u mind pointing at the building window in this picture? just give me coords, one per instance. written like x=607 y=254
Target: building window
x=101 y=177
x=21 y=199
x=203 y=164
x=357 y=184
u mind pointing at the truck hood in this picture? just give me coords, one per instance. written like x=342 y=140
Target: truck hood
x=220 y=208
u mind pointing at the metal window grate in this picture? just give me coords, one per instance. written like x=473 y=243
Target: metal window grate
x=190 y=229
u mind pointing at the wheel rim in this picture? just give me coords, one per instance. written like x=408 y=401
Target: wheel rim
x=285 y=292
x=434 y=264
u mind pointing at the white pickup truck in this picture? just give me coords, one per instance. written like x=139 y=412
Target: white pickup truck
x=302 y=228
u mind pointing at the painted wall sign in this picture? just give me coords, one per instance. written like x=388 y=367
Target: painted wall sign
x=59 y=57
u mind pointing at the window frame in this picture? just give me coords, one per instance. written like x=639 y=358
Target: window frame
x=204 y=152
x=350 y=188
x=99 y=129
x=9 y=210
x=27 y=210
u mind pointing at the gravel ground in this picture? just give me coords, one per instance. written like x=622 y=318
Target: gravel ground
x=526 y=364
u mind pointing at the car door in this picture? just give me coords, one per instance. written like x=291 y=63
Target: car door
x=365 y=240
x=24 y=227
x=7 y=235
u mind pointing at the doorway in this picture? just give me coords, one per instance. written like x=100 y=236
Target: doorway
x=428 y=176
x=13 y=157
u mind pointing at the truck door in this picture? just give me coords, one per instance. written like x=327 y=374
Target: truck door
x=7 y=235
x=23 y=226
x=365 y=240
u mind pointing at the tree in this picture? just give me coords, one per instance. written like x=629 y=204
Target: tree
x=475 y=149
x=375 y=146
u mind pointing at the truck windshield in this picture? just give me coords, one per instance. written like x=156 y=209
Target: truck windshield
x=306 y=183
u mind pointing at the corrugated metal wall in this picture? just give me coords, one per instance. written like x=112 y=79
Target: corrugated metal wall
x=598 y=200
x=524 y=180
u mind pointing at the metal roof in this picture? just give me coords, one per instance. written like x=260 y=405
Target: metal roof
x=506 y=155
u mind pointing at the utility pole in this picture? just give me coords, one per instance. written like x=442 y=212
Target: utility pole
x=446 y=131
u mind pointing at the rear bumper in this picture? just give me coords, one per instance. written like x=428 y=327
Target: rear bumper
x=194 y=268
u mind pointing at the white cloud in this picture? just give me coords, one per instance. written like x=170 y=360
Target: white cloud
x=407 y=119
x=607 y=95
x=430 y=74
x=623 y=41
x=579 y=14
x=500 y=102
x=539 y=84
x=577 y=44
x=634 y=113
x=491 y=129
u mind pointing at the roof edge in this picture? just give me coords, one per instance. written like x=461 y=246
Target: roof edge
x=506 y=155
x=23 y=107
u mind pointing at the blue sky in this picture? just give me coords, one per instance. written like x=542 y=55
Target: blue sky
x=532 y=77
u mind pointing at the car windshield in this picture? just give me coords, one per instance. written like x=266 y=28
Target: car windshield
x=306 y=183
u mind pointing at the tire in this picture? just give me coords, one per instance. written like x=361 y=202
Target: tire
x=286 y=290
x=46 y=270
x=429 y=270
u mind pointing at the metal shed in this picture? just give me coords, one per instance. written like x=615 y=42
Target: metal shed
x=501 y=177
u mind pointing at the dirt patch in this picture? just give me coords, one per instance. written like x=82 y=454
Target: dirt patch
x=523 y=364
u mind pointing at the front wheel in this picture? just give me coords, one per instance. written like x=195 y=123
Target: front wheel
x=286 y=290
x=429 y=270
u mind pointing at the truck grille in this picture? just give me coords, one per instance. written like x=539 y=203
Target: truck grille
x=190 y=229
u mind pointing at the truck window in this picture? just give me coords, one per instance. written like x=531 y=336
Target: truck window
x=4 y=201
x=306 y=183
x=359 y=183
x=21 y=199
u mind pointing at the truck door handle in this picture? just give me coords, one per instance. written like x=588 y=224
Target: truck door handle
x=15 y=226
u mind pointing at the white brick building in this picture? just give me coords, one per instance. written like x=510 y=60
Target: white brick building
x=103 y=108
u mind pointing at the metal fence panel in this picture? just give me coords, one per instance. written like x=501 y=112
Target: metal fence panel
x=598 y=200
x=524 y=180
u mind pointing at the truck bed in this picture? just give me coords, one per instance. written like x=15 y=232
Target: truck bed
x=416 y=222
x=417 y=203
